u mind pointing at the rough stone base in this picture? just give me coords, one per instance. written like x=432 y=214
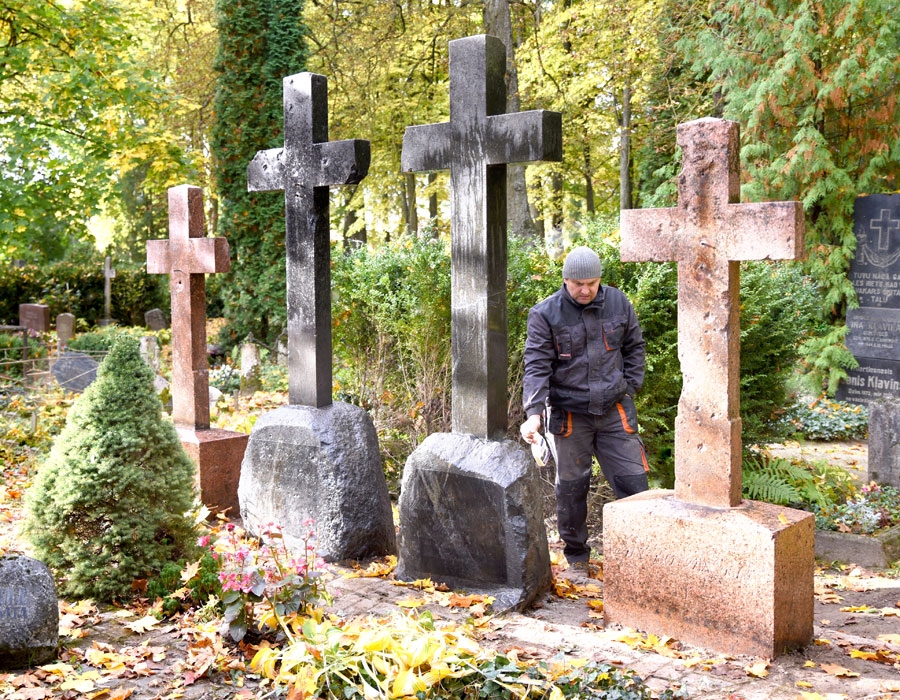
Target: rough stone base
x=884 y=442
x=471 y=516
x=321 y=464
x=737 y=581
x=29 y=614
x=872 y=551
x=218 y=455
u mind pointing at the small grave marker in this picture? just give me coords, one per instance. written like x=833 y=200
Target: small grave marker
x=35 y=317
x=29 y=615
x=65 y=329
x=155 y=320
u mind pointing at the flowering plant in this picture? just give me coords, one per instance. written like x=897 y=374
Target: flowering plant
x=875 y=507
x=262 y=571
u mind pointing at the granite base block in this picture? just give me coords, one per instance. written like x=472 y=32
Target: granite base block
x=471 y=516
x=218 y=455
x=322 y=465
x=736 y=581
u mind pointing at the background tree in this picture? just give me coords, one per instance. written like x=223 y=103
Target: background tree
x=260 y=43
x=111 y=503
x=814 y=86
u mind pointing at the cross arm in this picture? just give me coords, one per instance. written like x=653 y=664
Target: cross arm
x=341 y=162
x=523 y=137
x=426 y=147
x=766 y=231
x=265 y=173
x=650 y=234
x=195 y=256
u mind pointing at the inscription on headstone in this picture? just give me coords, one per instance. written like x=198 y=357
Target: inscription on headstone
x=873 y=330
x=35 y=317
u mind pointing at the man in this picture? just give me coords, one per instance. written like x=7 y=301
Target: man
x=584 y=361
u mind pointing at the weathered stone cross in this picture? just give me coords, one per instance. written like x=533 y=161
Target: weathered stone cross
x=305 y=168
x=476 y=145
x=708 y=233
x=187 y=256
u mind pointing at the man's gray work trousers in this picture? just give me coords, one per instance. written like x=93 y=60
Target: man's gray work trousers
x=613 y=439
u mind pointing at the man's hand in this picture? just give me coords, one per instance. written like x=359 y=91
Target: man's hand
x=530 y=427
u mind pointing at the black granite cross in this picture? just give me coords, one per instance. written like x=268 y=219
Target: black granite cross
x=476 y=145
x=304 y=169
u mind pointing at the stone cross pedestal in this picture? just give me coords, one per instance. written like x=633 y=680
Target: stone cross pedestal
x=304 y=169
x=187 y=257
x=109 y=273
x=314 y=459
x=468 y=514
x=704 y=566
x=476 y=145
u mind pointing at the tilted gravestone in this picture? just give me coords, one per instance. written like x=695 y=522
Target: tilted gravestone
x=29 y=613
x=469 y=513
x=187 y=257
x=701 y=564
x=250 y=368
x=873 y=330
x=155 y=320
x=314 y=459
x=35 y=317
x=75 y=371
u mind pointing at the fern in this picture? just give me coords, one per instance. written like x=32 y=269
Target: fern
x=780 y=481
x=770 y=487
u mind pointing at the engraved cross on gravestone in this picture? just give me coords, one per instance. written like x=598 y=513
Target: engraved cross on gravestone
x=476 y=145
x=708 y=233
x=304 y=169
x=187 y=256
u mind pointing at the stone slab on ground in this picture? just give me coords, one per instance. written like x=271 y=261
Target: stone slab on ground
x=471 y=516
x=874 y=551
x=321 y=464
x=75 y=371
x=739 y=580
x=29 y=617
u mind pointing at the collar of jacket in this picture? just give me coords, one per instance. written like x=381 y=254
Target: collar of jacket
x=596 y=301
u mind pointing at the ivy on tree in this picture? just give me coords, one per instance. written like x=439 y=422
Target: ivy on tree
x=111 y=503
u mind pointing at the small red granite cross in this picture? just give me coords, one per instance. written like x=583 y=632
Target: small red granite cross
x=187 y=256
x=708 y=233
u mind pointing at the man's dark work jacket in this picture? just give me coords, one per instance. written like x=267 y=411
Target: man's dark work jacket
x=582 y=358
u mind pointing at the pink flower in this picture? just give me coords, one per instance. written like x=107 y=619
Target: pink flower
x=203 y=541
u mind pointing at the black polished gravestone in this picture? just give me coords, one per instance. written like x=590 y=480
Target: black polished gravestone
x=873 y=334
x=313 y=459
x=470 y=510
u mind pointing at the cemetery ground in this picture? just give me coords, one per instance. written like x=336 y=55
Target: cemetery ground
x=134 y=651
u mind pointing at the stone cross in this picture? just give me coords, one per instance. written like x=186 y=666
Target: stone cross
x=304 y=169
x=187 y=256
x=109 y=273
x=707 y=234
x=476 y=145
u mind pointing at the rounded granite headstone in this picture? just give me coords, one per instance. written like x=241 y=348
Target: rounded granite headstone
x=29 y=613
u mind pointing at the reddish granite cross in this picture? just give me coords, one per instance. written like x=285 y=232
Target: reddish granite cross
x=708 y=233
x=186 y=257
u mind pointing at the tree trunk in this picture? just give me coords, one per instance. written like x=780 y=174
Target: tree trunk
x=497 y=22
x=410 y=211
x=588 y=178
x=625 y=151
x=352 y=238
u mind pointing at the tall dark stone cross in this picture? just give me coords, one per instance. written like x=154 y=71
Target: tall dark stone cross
x=708 y=233
x=187 y=257
x=476 y=145
x=304 y=169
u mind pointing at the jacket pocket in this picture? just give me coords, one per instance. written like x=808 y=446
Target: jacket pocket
x=613 y=333
x=569 y=343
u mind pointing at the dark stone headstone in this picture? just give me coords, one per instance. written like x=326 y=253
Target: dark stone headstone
x=155 y=320
x=873 y=334
x=321 y=464
x=472 y=517
x=35 y=317
x=29 y=613
x=884 y=442
x=75 y=371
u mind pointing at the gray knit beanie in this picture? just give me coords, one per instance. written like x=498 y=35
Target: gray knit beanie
x=582 y=263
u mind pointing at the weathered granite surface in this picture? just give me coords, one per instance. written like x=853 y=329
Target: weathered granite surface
x=29 y=614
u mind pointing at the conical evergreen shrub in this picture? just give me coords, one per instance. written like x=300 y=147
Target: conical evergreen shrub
x=111 y=504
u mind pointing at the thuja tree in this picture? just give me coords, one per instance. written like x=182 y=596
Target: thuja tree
x=111 y=503
x=813 y=84
x=260 y=43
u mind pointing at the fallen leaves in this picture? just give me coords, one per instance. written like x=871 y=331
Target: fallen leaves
x=838 y=671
